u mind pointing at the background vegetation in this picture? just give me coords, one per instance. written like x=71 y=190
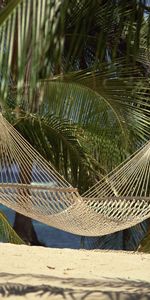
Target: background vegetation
x=74 y=80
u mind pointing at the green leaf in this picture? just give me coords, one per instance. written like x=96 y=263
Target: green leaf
x=8 y=10
x=7 y=234
x=145 y=244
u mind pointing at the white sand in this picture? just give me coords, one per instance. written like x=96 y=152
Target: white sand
x=29 y=272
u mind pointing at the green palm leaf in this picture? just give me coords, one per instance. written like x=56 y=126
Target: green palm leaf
x=117 y=94
x=7 y=234
x=145 y=243
x=81 y=78
x=60 y=142
x=27 y=50
x=23 y=45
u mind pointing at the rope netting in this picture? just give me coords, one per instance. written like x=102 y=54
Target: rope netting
x=31 y=186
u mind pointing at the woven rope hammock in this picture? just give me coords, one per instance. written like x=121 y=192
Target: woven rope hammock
x=32 y=187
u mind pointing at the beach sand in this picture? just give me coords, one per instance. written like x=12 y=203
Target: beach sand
x=43 y=273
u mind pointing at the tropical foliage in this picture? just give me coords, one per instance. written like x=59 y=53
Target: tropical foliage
x=7 y=234
x=75 y=81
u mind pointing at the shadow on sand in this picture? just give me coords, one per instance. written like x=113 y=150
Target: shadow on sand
x=73 y=288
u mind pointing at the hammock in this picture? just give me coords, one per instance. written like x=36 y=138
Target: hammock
x=32 y=187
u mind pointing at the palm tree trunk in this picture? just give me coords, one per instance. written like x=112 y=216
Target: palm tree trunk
x=25 y=229
x=22 y=224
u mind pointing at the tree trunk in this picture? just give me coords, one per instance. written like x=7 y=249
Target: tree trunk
x=25 y=229
x=126 y=238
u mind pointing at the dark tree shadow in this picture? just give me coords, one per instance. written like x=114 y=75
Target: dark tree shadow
x=76 y=289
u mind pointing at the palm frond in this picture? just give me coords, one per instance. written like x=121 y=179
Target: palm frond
x=23 y=45
x=59 y=142
x=116 y=96
x=8 y=10
x=103 y=25
x=106 y=98
x=144 y=245
x=128 y=239
x=67 y=34
x=7 y=234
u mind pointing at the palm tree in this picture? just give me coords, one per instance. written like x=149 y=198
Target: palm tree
x=75 y=81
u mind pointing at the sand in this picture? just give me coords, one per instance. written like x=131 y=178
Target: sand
x=43 y=273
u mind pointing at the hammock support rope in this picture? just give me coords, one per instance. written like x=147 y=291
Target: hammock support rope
x=31 y=186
